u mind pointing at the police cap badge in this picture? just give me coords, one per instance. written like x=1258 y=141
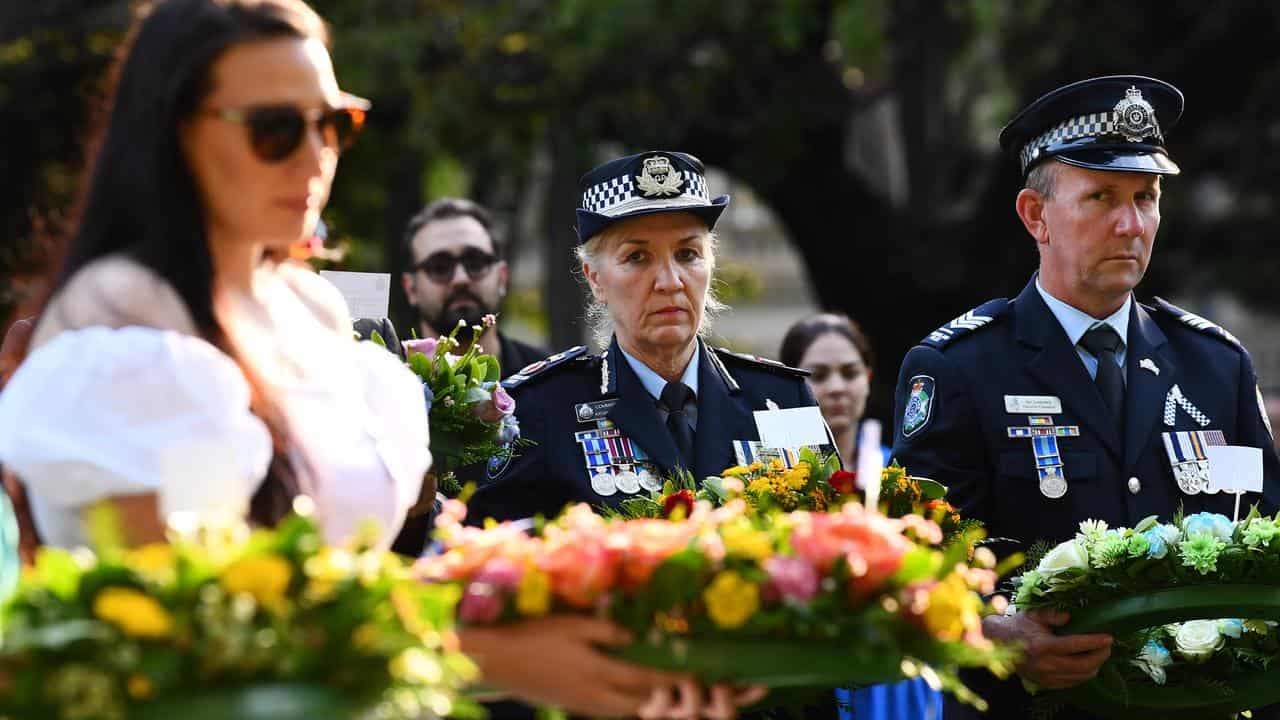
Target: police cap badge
x=1107 y=123
x=650 y=182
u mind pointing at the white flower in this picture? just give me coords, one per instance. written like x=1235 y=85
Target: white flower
x=1070 y=554
x=1092 y=530
x=1231 y=628
x=1152 y=660
x=1198 y=640
x=1171 y=533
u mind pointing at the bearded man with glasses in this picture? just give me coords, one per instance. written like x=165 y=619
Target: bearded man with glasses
x=456 y=272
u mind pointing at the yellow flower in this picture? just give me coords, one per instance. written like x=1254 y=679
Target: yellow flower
x=735 y=471
x=153 y=562
x=742 y=539
x=952 y=609
x=797 y=477
x=140 y=687
x=265 y=577
x=136 y=614
x=760 y=485
x=776 y=465
x=533 y=596
x=731 y=600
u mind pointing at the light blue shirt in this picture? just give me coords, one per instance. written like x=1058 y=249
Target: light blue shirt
x=654 y=383
x=1077 y=322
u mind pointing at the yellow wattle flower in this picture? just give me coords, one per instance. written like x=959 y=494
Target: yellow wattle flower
x=264 y=577
x=731 y=600
x=952 y=609
x=136 y=614
x=533 y=595
x=742 y=539
x=140 y=687
x=735 y=471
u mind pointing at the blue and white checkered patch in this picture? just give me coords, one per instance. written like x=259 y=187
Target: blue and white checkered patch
x=619 y=195
x=1101 y=124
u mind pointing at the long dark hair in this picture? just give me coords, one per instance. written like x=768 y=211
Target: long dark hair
x=140 y=198
x=805 y=332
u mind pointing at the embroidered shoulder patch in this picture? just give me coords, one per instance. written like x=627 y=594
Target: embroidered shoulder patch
x=541 y=368
x=969 y=322
x=1208 y=327
x=919 y=404
x=760 y=362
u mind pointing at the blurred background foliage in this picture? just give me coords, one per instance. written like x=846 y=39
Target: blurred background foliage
x=868 y=127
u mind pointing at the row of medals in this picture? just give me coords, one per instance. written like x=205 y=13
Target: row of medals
x=627 y=481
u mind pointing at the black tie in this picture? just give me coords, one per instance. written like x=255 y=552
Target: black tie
x=1103 y=342
x=673 y=399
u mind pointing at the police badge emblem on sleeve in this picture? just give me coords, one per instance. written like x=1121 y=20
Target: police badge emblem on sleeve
x=919 y=405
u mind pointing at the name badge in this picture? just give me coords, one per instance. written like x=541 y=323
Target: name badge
x=1032 y=405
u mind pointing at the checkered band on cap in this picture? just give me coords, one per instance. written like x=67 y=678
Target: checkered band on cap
x=619 y=195
x=1103 y=124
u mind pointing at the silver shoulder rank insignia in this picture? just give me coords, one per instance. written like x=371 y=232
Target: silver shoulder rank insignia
x=1197 y=322
x=658 y=178
x=1135 y=118
x=1262 y=408
x=971 y=321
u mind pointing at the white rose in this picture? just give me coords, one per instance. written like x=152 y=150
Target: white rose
x=1197 y=640
x=1068 y=555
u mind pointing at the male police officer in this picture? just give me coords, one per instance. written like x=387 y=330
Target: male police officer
x=1073 y=401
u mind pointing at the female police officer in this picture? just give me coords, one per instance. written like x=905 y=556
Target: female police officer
x=610 y=426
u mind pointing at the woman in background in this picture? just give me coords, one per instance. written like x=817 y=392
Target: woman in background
x=838 y=354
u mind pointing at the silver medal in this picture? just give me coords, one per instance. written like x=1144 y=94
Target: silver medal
x=604 y=484
x=649 y=481
x=1052 y=484
x=1192 y=478
x=628 y=482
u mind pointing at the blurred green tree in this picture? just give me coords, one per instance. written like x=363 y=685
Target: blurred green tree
x=868 y=126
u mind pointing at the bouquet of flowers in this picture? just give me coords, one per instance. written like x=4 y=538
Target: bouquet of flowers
x=812 y=483
x=228 y=623
x=799 y=599
x=1192 y=605
x=471 y=415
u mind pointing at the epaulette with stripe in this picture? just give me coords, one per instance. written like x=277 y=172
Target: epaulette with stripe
x=760 y=362
x=541 y=368
x=1208 y=327
x=969 y=322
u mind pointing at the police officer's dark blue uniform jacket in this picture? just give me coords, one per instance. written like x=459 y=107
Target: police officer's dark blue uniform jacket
x=1001 y=407
x=574 y=398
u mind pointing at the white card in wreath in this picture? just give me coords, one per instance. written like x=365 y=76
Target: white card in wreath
x=791 y=428
x=1234 y=469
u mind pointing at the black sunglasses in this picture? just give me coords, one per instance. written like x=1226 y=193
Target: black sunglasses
x=277 y=131
x=441 y=266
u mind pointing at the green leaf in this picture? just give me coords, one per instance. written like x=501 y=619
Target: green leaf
x=376 y=338
x=931 y=489
x=55 y=636
x=920 y=563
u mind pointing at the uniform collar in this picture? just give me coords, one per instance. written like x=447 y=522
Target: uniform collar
x=653 y=382
x=1076 y=322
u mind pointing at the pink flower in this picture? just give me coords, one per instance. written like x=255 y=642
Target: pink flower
x=498 y=406
x=426 y=346
x=481 y=604
x=792 y=578
x=500 y=573
x=504 y=403
x=578 y=557
x=643 y=545
x=871 y=544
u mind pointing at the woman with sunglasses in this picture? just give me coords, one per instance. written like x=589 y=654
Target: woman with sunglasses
x=183 y=363
x=839 y=357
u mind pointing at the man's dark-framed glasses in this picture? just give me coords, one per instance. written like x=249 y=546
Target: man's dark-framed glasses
x=440 y=267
